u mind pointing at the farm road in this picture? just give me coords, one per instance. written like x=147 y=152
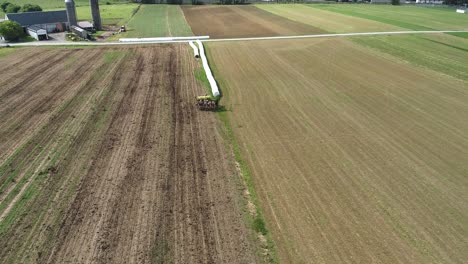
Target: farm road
x=33 y=44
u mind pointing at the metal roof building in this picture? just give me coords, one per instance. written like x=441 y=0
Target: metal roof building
x=37 y=32
x=51 y=21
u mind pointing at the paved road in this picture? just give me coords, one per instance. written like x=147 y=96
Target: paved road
x=55 y=43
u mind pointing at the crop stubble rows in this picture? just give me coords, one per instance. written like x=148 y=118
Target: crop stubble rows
x=356 y=157
x=241 y=21
x=118 y=166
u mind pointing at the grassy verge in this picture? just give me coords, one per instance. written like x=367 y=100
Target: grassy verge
x=256 y=220
x=200 y=75
x=6 y=51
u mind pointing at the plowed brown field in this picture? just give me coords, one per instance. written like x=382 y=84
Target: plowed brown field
x=241 y=21
x=357 y=157
x=104 y=159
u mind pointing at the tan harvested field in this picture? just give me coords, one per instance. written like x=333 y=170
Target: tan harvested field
x=104 y=159
x=326 y=20
x=241 y=21
x=356 y=156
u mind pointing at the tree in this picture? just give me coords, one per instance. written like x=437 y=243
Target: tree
x=31 y=8
x=4 y=5
x=455 y=2
x=12 y=8
x=11 y=30
x=395 y=2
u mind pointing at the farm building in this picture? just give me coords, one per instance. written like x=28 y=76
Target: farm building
x=37 y=33
x=86 y=25
x=51 y=21
x=380 y=1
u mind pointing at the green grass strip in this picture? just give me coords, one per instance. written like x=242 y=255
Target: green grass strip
x=348 y=12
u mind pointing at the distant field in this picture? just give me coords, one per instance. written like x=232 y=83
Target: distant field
x=356 y=156
x=158 y=21
x=406 y=16
x=443 y=53
x=241 y=21
x=325 y=20
x=110 y=14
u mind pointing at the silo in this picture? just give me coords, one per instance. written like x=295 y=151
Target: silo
x=96 y=14
x=71 y=13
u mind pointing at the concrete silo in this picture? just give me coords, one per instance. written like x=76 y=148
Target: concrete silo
x=96 y=14
x=71 y=13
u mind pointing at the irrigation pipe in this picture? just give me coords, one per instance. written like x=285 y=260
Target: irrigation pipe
x=209 y=75
x=195 y=49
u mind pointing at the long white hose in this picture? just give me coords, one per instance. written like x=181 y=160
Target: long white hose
x=195 y=49
x=209 y=75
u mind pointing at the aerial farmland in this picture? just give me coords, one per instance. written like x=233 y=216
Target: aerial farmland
x=340 y=136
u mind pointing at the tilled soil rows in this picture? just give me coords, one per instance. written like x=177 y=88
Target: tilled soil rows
x=241 y=21
x=105 y=159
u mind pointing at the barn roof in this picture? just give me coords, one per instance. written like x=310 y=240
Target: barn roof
x=36 y=29
x=85 y=24
x=35 y=18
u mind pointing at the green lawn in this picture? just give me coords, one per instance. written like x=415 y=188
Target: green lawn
x=405 y=16
x=158 y=21
x=110 y=14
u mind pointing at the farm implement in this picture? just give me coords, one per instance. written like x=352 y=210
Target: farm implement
x=207 y=103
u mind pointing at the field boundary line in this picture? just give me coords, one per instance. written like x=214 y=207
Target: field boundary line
x=340 y=35
x=357 y=34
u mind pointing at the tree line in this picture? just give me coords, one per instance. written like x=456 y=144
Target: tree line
x=8 y=7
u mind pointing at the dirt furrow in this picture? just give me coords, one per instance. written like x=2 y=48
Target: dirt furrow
x=20 y=64
x=120 y=174
x=25 y=119
x=37 y=71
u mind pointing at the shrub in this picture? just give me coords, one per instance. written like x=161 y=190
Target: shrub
x=4 y=5
x=395 y=2
x=31 y=8
x=259 y=225
x=11 y=30
x=12 y=8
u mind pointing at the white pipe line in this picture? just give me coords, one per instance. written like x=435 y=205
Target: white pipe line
x=195 y=49
x=209 y=75
x=45 y=43
x=162 y=39
x=338 y=35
